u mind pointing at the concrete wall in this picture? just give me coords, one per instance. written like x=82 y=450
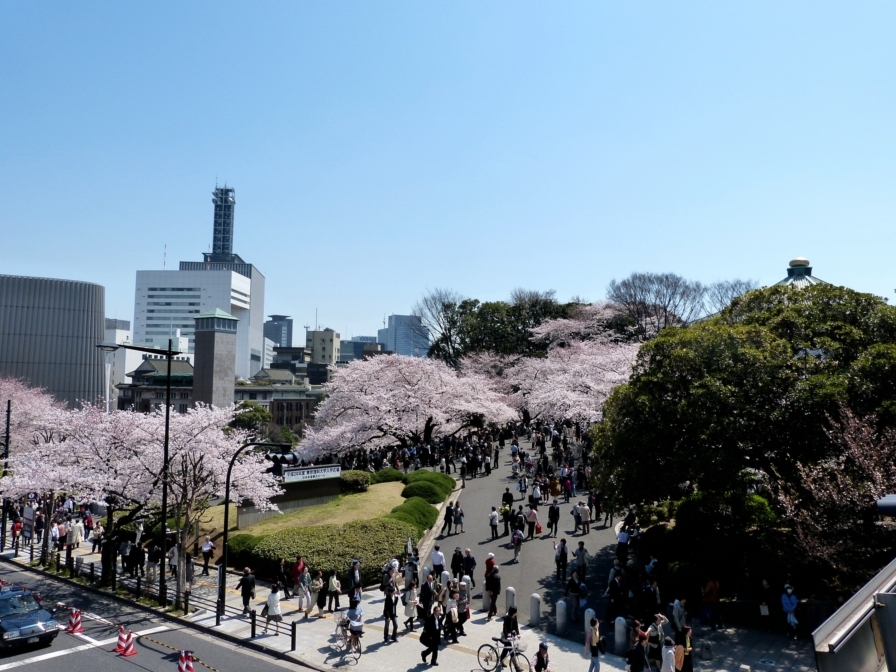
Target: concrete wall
x=48 y=335
x=213 y=372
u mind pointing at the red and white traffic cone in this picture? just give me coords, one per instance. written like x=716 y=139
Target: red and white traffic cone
x=129 y=649
x=74 y=622
x=122 y=640
x=185 y=664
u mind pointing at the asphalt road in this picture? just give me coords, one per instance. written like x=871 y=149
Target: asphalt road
x=157 y=651
x=535 y=572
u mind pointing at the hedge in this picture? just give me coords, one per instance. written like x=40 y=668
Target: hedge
x=387 y=476
x=416 y=511
x=442 y=482
x=424 y=489
x=373 y=542
x=240 y=547
x=355 y=481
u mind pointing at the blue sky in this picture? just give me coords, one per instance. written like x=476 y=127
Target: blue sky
x=380 y=149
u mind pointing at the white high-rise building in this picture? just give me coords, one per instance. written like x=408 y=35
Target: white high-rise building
x=165 y=301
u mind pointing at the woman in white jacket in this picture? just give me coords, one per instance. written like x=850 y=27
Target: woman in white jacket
x=668 y=655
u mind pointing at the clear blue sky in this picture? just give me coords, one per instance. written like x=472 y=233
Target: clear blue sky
x=379 y=149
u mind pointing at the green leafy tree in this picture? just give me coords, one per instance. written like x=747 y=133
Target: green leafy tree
x=252 y=417
x=747 y=393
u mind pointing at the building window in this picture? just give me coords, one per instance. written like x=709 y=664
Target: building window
x=183 y=409
x=240 y=395
x=253 y=395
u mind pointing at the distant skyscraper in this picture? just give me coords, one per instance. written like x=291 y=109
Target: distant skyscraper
x=166 y=301
x=279 y=330
x=405 y=335
x=222 y=239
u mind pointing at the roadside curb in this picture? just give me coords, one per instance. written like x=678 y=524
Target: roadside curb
x=428 y=541
x=245 y=643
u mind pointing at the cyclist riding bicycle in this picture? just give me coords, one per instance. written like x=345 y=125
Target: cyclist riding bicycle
x=354 y=622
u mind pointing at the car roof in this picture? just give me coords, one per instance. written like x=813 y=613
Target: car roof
x=13 y=591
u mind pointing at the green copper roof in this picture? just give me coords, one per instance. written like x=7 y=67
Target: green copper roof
x=217 y=312
x=799 y=275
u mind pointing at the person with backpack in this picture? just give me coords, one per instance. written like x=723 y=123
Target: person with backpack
x=517 y=542
x=561 y=558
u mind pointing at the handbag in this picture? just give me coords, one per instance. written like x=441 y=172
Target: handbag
x=425 y=638
x=264 y=612
x=538 y=528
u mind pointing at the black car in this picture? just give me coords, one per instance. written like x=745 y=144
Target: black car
x=22 y=620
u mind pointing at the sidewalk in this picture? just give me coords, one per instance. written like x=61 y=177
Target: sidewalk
x=314 y=635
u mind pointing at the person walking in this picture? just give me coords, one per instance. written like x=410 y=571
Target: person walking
x=410 y=601
x=390 y=614
x=77 y=533
x=493 y=588
x=284 y=577
x=470 y=566
x=459 y=518
x=789 y=604
x=585 y=515
x=449 y=519
x=687 y=646
x=246 y=586
x=432 y=635
x=208 y=548
x=272 y=604
x=153 y=557
x=531 y=521
x=124 y=550
x=97 y=537
x=452 y=617
x=318 y=595
x=138 y=560
x=593 y=645
x=334 y=590
x=427 y=595
x=554 y=518
x=438 y=561
x=561 y=558
x=303 y=591
x=581 y=556
x=189 y=571
x=668 y=664
x=510 y=629
x=516 y=541
x=493 y=522
x=572 y=594
x=457 y=563
x=172 y=559
x=711 y=603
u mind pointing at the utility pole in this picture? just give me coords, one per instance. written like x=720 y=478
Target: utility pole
x=3 y=518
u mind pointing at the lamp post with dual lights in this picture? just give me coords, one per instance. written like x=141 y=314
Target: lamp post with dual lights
x=169 y=354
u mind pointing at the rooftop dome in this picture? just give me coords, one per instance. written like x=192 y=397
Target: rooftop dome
x=799 y=274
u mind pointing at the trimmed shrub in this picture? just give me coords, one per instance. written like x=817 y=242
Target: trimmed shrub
x=387 y=476
x=416 y=511
x=240 y=549
x=355 y=481
x=442 y=482
x=373 y=542
x=428 y=491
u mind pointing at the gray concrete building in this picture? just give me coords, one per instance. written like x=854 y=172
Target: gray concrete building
x=48 y=334
x=215 y=356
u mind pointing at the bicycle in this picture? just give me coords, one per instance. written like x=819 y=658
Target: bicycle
x=489 y=656
x=346 y=642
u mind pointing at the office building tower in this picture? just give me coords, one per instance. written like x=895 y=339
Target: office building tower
x=323 y=345
x=405 y=335
x=166 y=301
x=48 y=335
x=279 y=330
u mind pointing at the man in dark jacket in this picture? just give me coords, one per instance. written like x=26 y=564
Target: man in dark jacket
x=246 y=586
x=493 y=588
x=138 y=560
x=432 y=634
x=390 y=613
x=507 y=497
x=554 y=517
x=427 y=594
x=470 y=566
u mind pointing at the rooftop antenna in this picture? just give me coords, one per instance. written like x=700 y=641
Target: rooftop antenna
x=315 y=320
x=164 y=255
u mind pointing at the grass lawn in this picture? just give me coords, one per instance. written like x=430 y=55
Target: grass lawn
x=377 y=501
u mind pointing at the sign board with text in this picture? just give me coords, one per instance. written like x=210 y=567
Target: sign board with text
x=311 y=473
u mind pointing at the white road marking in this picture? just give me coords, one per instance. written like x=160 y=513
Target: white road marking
x=84 y=647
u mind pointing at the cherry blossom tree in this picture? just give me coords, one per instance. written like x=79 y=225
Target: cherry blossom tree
x=588 y=355
x=394 y=400
x=118 y=458
x=34 y=414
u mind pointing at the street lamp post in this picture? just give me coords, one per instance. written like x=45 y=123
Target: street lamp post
x=225 y=550
x=3 y=521
x=169 y=355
